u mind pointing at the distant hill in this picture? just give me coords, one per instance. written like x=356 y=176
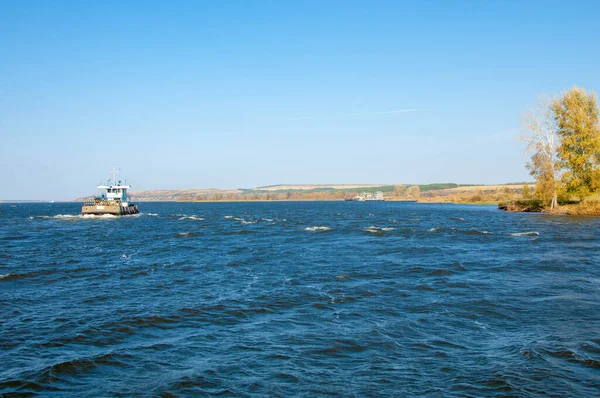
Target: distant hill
x=310 y=187
x=173 y=195
x=313 y=192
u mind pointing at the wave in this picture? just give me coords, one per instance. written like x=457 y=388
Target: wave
x=572 y=356
x=239 y=219
x=45 y=376
x=340 y=348
x=9 y=277
x=317 y=228
x=473 y=232
x=187 y=234
x=528 y=233
x=240 y=232
x=99 y=216
x=191 y=218
x=377 y=230
x=441 y=272
x=42 y=272
x=459 y=231
x=75 y=216
x=58 y=216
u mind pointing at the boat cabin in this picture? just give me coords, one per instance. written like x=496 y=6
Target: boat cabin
x=115 y=192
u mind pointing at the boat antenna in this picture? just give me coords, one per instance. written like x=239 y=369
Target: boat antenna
x=114 y=172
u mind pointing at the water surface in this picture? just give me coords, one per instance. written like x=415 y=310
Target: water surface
x=298 y=299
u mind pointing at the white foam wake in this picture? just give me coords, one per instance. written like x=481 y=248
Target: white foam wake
x=192 y=218
x=374 y=230
x=528 y=233
x=75 y=216
x=318 y=228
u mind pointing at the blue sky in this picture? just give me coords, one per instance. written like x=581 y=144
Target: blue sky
x=239 y=94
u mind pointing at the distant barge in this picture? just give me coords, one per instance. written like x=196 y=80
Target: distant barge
x=114 y=200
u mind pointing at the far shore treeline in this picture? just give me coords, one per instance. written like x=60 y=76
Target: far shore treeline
x=563 y=140
x=441 y=192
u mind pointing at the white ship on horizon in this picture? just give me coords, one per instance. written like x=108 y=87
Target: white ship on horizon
x=369 y=197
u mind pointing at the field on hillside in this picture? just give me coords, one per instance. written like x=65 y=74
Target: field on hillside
x=309 y=187
x=476 y=194
x=439 y=192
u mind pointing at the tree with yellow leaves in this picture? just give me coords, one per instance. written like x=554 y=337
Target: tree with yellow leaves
x=576 y=117
x=540 y=134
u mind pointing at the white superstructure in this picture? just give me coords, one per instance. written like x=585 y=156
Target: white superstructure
x=369 y=197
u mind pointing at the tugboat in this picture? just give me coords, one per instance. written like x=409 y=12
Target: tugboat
x=114 y=200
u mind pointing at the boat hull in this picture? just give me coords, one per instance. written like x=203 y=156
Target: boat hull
x=115 y=210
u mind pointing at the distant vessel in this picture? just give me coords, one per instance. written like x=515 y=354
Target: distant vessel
x=369 y=197
x=114 y=200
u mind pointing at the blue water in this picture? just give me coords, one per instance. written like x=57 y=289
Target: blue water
x=298 y=299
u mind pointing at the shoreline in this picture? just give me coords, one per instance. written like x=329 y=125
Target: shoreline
x=259 y=200
x=459 y=203
x=585 y=208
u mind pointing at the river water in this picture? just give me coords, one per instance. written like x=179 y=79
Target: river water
x=298 y=299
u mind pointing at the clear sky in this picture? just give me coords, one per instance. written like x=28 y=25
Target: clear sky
x=239 y=94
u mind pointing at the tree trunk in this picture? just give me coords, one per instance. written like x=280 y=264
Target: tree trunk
x=554 y=203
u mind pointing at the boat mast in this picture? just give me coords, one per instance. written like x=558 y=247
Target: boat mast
x=114 y=172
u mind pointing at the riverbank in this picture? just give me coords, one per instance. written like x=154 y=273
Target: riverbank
x=522 y=206
x=580 y=209
x=465 y=202
x=585 y=208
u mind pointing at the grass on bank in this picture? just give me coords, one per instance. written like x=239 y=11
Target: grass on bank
x=584 y=208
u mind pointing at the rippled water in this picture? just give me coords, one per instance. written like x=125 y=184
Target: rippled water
x=298 y=299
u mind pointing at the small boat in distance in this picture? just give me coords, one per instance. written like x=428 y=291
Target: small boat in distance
x=114 y=200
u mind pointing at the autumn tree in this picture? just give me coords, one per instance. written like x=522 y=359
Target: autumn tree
x=576 y=115
x=398 y=189
x=413 y=192
x=539 y=132
x=545 y=183
x=526 y=192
